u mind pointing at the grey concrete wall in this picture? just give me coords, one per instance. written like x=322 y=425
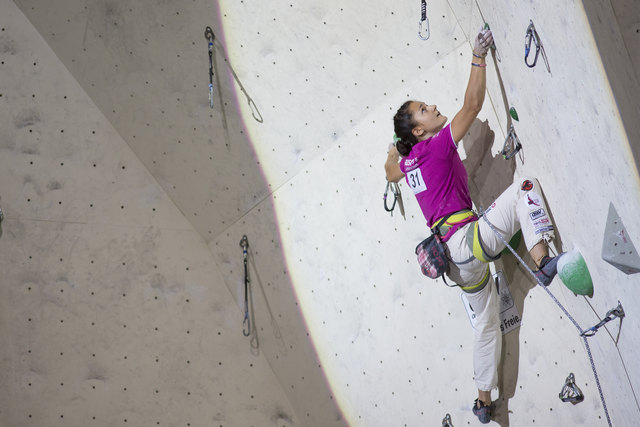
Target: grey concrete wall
x=346 y=330
x=112 y=310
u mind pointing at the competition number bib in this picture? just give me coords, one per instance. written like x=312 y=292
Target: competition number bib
x=415 y=181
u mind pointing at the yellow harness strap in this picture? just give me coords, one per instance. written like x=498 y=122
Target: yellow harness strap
x=478 y=286
x=475 y=244
x=452 y=220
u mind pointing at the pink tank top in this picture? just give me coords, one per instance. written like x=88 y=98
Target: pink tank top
x=435 y=173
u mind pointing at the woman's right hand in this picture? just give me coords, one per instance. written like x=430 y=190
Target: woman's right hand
x=483 y=42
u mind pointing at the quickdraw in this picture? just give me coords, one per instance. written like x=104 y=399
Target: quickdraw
x=246 y=323
x=511 y=144
x=423 y=26
x=397 y=198
x=611 y=314
x=532 y=35
x=570 y=391
x=208 y=34
x=1 y=219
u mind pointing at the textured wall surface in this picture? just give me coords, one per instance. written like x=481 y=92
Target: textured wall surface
x=112 y=310
x=126 y=195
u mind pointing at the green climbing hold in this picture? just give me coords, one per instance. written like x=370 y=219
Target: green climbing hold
x=574 y=273
x=514 y=114
x=514 y=243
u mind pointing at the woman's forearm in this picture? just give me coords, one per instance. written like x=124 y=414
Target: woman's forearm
x=474 y=95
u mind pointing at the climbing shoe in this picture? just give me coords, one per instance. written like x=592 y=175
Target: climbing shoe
x=484 y=412
x=548 y=269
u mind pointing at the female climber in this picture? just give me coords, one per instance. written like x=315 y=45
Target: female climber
x=434 y=171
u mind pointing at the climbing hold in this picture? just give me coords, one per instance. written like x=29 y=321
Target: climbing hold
x=514 y=114
x=617 y=247
x=574 y=273
x=446 y=421
x=570 y=391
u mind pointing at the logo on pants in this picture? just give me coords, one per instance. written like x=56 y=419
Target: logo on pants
x=538 y=213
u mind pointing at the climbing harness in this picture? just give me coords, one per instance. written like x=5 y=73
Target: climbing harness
x=397 y=198
x=246 y=323
x=532 y=35
x=208 y=34
x=570 y=391
x=564 y=310
x=611 y=314
x=511 y=144
x=446 y=421
x=423 y=25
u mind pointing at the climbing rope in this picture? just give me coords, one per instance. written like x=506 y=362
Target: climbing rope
x=564 y=310
x=246 y=323
x=423 y=26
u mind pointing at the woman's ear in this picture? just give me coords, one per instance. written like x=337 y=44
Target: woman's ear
x=417 y=132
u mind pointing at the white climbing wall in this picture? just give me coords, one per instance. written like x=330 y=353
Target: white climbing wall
x=122 y=276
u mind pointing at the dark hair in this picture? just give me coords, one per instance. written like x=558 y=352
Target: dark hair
x=403 y=125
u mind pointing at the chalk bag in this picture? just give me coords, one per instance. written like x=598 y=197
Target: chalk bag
x=432 y=257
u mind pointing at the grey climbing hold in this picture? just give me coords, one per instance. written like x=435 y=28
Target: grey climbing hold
x=617 y=247
x=446 y=421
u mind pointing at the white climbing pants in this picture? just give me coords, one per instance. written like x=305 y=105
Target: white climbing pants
x=520 y=207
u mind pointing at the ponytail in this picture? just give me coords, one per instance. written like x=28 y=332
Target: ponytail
x=403 y=125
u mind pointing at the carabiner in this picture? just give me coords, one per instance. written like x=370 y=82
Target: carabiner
x=532 y=35
x=511 y=143
x=423 y=25
x=246 y=324
x=529 y=36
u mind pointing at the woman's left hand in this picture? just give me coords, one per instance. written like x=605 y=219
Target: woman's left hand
x=483 y=42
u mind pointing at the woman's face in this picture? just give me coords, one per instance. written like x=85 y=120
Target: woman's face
x=428 y=120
